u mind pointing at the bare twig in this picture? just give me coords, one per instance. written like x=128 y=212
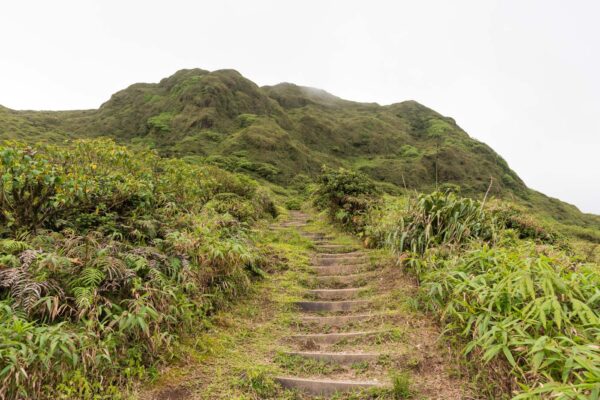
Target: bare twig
x=487 y=192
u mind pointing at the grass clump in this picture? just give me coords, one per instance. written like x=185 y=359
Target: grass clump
x=258 y=382
x=302 y=365
x=400 y=386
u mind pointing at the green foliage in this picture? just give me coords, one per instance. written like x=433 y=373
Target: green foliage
x=114 y=254
x=500 y=280
x=347 y=195
x=433 y=220
x=293 y=203
x=400 y=386
x=161 y=122
x=409 y=151
x=258 y=381
x=528 y=227
x=285 y=130
x=536 y=312
x=30 y=188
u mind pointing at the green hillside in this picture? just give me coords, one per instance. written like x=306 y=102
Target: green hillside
x=196 y=237
x=284 y=133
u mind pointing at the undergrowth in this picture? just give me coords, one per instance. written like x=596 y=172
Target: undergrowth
x=513 y=291
x=107 y=256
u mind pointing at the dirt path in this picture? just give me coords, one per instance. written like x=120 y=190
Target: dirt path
x=338 y=323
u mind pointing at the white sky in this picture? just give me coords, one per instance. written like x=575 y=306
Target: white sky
x=522 y=76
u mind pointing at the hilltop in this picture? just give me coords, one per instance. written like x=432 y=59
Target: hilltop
x=285 y=133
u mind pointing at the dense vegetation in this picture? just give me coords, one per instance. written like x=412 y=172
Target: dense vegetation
x=523 y=303
x=107 y=255
x=285 y=131
x=112 y=249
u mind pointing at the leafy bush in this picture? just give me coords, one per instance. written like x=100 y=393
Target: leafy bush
x=109 y=255
x=524 y=307
x=514 y=217
x=293 y=203
x=347 y=195
x=161 y=122
x=537 y=314
x=436 y=219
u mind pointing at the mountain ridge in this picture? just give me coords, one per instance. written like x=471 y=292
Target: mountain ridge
x=285 y=132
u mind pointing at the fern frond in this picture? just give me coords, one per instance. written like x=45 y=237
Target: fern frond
x=10 y=246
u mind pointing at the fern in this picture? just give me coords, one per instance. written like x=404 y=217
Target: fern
x=91 y=277
x=11 y=246
x=84 y=297
x=8 y=261
x=25 y=290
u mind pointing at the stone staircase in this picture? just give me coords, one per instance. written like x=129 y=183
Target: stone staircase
x=337 y=322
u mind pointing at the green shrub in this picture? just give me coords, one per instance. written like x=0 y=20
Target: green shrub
x=233 y=204
x=109 y=255
x=437 y=219
x=161 y=122
x=511 y=216
x=347 y=195
x=409 y=151
x=537 y=314
x=523 y=307
x=293 y=203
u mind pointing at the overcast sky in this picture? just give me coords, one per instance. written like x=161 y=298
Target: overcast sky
x=522 y=76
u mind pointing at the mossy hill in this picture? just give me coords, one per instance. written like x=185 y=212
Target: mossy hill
x=285 y=133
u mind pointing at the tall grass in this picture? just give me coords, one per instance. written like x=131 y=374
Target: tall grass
x=502 y=282
x=536 y=312
x=430 y=220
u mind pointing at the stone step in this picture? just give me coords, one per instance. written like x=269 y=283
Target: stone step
x=338 y=321
x=332 y=306
x=353 y=279
x=325 y=270
x=324 y=245
x=318 y=237
x=337 y=358
x=354 y=253
x=340 y=260
x=331 y=338
x=278 y=228
x=325 y=387
x=340 y=250
x=334 y=294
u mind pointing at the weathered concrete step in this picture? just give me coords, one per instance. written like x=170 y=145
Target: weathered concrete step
x=354 y=253
x=335 y=294
x=325 y=270
x=332 y=306
x=337 y=358
x=332 y=338
x=325 y=387
x=325 y=245
x=339 y=250
x=340 y=260
x=317 y=237
x=281 y=227
x=337 y=321
x=353 y=279
x=320 y=235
